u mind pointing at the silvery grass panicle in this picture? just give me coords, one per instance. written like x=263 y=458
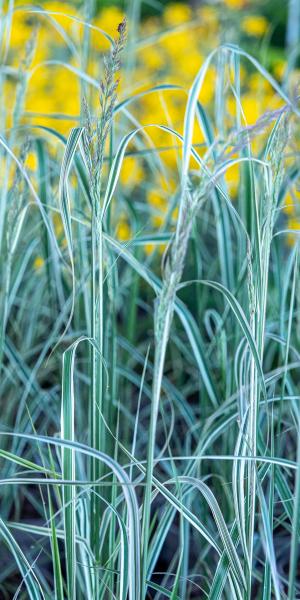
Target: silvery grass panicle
x=174 y=257
x=96 y=136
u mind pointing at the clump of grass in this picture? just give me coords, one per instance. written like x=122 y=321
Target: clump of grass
x=176 y=470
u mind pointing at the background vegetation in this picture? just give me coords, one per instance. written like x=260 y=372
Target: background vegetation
x=149 y=341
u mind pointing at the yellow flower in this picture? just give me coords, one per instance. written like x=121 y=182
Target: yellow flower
x=132 y=172
x=255 y=25
x=158 y=220
x=175 y=14
x=149 y=248
x=38 y=263
x=177 y=43
x=157 y=199
x=235 y=4
x=251 y=108
x=123 y=232
x=31 y=161
x=152 y=58
x=293 y=224
x=20 y=31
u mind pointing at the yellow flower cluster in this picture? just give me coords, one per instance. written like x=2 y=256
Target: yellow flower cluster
x=255 y=26
x=167 y=50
